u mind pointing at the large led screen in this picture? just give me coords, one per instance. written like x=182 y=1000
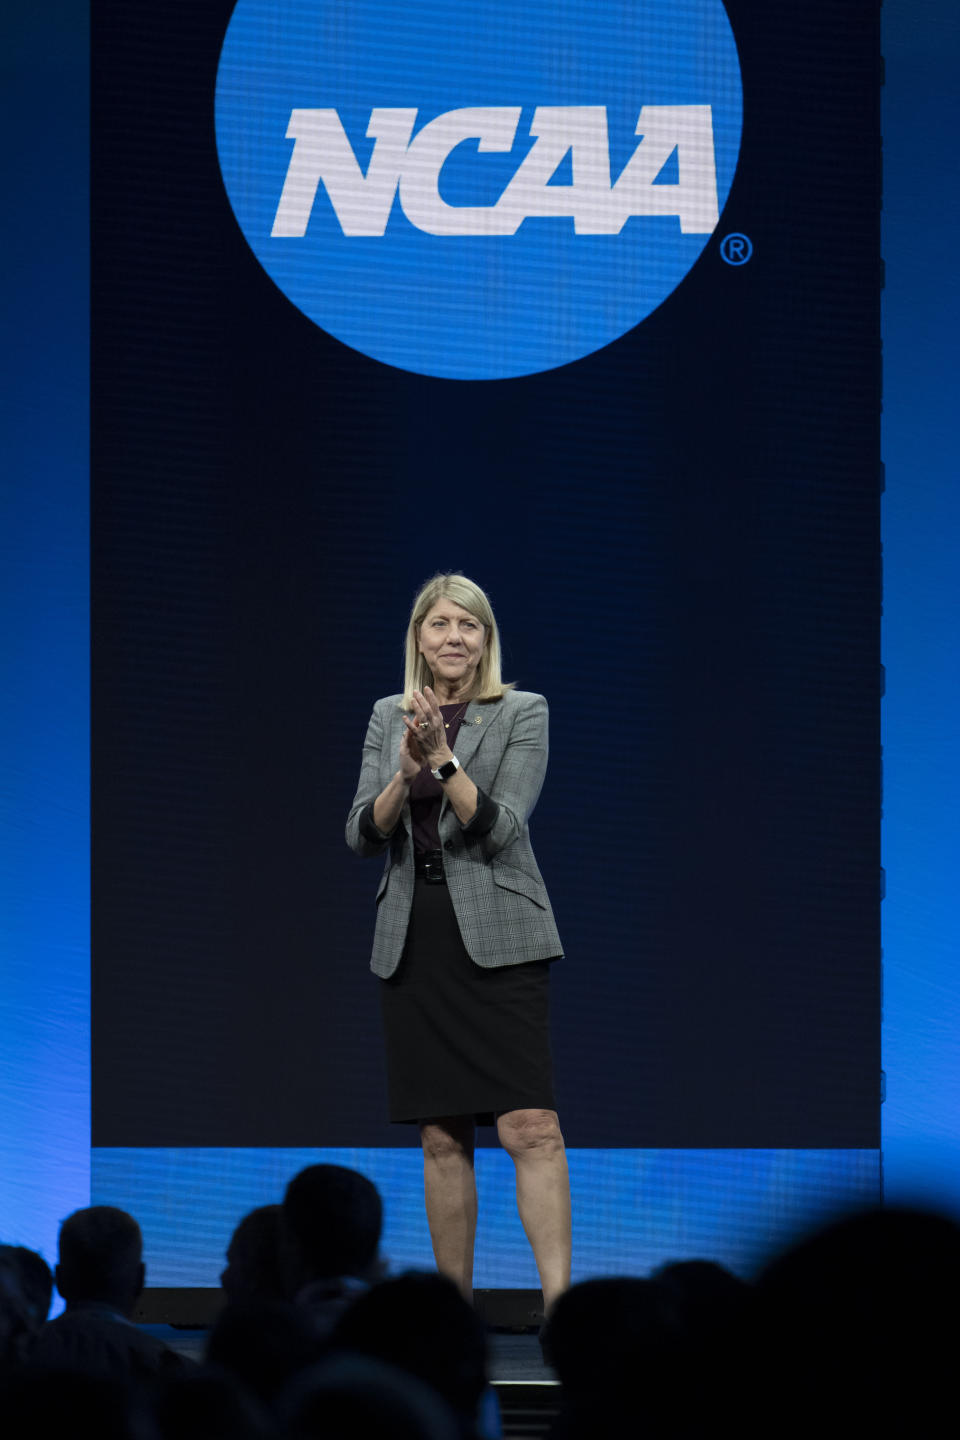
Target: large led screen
x=581 y=300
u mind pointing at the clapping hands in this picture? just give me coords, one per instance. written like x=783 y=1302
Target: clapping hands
x=424 y=739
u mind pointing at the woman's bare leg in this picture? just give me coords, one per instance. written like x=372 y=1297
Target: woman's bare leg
x=450 y=1191
x=533 y=1140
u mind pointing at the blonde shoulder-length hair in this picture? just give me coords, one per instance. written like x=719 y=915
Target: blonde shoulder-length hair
x=463 y=592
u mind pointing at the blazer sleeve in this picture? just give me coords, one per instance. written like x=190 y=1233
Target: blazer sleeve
x=363 y=837
x=519 y=778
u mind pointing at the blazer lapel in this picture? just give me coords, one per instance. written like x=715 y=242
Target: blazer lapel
x=477 y=722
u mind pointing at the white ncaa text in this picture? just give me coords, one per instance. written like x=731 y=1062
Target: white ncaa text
x=363 y=203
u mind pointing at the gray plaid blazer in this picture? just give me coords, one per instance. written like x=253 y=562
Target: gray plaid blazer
x=497 y=890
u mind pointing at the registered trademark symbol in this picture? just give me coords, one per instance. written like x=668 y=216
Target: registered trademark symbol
x=736 y=249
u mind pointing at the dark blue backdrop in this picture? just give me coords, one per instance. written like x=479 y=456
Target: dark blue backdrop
x=681 y=537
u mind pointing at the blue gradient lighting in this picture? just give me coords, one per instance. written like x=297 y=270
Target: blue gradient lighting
x=921 y=1140
x=44 y=789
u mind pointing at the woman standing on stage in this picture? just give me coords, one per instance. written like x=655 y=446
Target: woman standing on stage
x=465 y=934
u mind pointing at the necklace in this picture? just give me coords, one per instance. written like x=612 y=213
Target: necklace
x=454 y=718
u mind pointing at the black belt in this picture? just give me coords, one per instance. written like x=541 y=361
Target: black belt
x=429 y=865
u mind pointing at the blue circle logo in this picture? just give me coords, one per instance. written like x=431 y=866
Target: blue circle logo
x=484 y=189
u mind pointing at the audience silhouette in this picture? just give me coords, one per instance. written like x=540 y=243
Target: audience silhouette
x=347 y=1396
x=613 y=1341
x=850 y=1329
x=856 y=1323
x=18 y=1328
x=36 y=1280
x=100 y=1274
x=330 y=1224
x=264 y=1344
x=253 y=1258
x=421 y=1324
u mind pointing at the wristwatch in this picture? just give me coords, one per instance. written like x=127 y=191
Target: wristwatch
x=445 y=771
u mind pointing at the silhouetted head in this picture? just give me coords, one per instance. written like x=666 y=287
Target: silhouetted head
x=264 y=1343
x=708 y=1297
x=850 y=1319
x=348 y=1396
x=601 y=1328
x=42 y=1406
x=868 y=1281
x=253 y=1257
x=36 y=1279
x=421 y=1324
x=330 y=1225
x=210 y=1405
x=713 y=1310
x=101 y=1258
x=17 y=1328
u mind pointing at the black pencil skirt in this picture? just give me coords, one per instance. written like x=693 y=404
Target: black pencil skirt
x=461 y=1040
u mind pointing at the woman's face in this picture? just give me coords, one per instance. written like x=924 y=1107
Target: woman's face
x=451 y=642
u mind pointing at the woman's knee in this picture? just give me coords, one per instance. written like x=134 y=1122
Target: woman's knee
x=522 y=1131
x=447 y=1139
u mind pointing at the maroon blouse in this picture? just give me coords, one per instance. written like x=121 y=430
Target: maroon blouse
x=426 y=794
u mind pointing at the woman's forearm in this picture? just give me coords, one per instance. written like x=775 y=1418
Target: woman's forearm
x=462 y=794
x=389 y=803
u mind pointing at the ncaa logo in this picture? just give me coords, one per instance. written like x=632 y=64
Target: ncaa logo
x=480 y=189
